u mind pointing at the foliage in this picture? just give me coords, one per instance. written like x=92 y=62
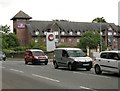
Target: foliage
x=9 y=41
x=5 y=29
x=89 y=39
x=63 y=46
x=37 y=45
x=99 y=20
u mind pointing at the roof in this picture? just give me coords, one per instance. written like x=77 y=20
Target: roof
x=43 y=26
x=33 y=50
x=21 y=15
x=113 y=51
x=67 y=49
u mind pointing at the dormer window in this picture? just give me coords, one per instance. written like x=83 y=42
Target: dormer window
x=56 y=32
x=78 y=33
x=71 y=33
x=62 y=33
x=115 y=33
x=45 y=33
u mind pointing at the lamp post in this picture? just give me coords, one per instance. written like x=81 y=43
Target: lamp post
x=100 y=37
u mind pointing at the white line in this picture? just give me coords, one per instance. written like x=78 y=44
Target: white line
x=91 y=75
x=30 y=66
x=46 y=78
x=84 y=87
x=17 y=70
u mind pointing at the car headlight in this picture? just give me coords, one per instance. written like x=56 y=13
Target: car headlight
x=76 y=60
x=36 y=57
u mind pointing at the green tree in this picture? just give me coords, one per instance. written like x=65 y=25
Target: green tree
x=90 y=39
x=99 y=20
x=5 y=29
x=9 y=41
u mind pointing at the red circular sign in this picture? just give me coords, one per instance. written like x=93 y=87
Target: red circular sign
x=51 y=37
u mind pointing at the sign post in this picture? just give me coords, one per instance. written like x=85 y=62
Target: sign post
x=50 y=41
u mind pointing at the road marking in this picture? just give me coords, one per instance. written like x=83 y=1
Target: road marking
x=91 y=75
x=30 y=66
x=46 y=78
x=82 y=87
x=17 y=70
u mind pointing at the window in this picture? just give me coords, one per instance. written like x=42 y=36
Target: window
x=103 y=55
x=113 y=56
x=71 y=33
x=70 y=40
x=62 y=40
x=64 y=53
x=56 y=33
x=62 y=33
x=78 y=33
x=78 y=40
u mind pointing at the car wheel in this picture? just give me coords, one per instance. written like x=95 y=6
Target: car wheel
x=55 y=65
x=26 y=61
x=4 y=59
x=46 y=63
x=70 y=67
x=98 y=69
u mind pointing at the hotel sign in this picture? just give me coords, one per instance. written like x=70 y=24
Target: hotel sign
x=20 y=25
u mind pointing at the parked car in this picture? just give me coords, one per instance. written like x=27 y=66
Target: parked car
x=108 y=61
x=72 y=58
x=2 y=56
x=35 y=56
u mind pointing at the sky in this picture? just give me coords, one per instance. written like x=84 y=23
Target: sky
x=48 y=10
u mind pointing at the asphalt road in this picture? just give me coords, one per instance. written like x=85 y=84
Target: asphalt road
x=17 y=75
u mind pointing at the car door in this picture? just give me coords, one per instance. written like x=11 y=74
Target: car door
x=58 y=56
x=64 y=58
x=103 y=61
x=113 y=62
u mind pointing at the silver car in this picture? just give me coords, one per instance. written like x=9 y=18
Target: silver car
x=108 y=61
x=72 y=58
x=2 y=56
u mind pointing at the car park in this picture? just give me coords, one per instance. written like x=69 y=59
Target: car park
x=35 y=56
x=71 y=58
x=2 y=56
x=108 y=61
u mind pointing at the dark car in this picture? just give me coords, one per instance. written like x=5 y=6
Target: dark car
x=35 y=56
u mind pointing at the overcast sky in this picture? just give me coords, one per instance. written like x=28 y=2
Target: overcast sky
x=72 y=10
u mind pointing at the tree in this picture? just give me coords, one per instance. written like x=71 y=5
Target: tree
x=9 y=41
x=99 y=20
x=5 y=29
x=89 y=39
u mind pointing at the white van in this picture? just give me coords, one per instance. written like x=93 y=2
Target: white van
x=72 y=58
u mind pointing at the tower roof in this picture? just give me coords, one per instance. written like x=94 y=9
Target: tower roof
x=21 y=15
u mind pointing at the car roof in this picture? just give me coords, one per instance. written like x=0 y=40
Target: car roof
x=33 y=50
x=67 y=49
x=113 y=51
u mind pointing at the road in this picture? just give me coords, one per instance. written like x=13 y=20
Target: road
x=17 y=75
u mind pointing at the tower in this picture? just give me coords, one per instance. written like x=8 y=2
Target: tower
x=19 y=27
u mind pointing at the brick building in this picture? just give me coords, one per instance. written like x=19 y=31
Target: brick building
x=66 y=32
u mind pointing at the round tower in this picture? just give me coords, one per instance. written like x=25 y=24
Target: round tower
x=19 y=27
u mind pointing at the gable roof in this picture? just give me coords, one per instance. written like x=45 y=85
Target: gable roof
x=43 y=26
x=21 y=15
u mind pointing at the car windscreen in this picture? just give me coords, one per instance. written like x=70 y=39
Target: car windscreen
x=76 y=53
x=38 y=53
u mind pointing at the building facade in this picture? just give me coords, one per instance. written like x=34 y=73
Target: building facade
x=67 y=33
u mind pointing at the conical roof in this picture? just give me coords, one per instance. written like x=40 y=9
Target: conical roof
x=21 y=15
